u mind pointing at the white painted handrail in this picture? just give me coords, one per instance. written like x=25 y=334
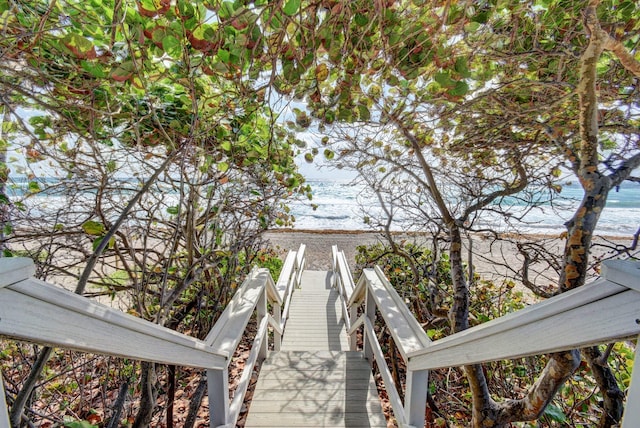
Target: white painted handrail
x=375 y=291
x=289 y=280
x=343 y=283
x=604 y=311
x=36 y=311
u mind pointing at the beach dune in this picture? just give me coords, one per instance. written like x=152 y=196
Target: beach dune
x=492 y=259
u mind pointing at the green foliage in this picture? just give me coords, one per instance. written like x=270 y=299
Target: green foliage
x=578 y=400
x=268 y=258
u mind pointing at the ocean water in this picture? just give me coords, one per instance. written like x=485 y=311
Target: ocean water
x=341 y=205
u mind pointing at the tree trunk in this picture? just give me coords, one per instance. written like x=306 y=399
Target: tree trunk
x=459 y=314
x=5 y=204
x=613 y=397
x=114 y=422
x=148 y=396
x=29 y=385
x=580 y=231
x=196 y=401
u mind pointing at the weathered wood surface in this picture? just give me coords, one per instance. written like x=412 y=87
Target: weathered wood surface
x=314 y=322
x=4 y=414
x=14 y=269
x=33 y=310
x=228 y=329
x=313 y=389
x=407 y=332
x=314 y=381
x=597 y=313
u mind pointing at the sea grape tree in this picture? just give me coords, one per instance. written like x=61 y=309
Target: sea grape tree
x=470 y=103
x=145 y=121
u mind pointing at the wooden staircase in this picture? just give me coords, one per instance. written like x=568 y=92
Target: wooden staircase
x=315 y=381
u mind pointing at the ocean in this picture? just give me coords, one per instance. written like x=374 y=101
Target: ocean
x=341 y=204
x=338 y=204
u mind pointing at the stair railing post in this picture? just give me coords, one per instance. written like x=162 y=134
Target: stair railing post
x=370 y=311
x=631 y=414
x=261 y=309
x=415 y=398
x=277 y=316
x=353 y=339
x=4 y=413
x=218 y=390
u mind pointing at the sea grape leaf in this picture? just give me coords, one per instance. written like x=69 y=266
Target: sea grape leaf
x=95 y=69
x=461 y=88
x=123 y=71
x=555 y=413
x=97 y=241
x=322 y=72
x=291 y=7
x=80 y=46
x=223 y=166
x=172 y=46
x=93 y=228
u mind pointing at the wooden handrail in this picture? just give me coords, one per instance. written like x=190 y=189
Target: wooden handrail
x=343 y=283
x=376 y=292
x=36 y=311
x=604 y=311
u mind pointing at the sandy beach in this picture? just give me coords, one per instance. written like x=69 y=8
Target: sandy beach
x=492 y=259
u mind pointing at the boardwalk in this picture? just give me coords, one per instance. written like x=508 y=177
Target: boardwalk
x=314 y=380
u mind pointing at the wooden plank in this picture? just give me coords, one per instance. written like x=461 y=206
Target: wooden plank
x=15 y=269
x=601 y=321
x=4 y=413
x=33 y=310
x=623 y=272
x=320 y=374
x=300 y=258
x=218 y=395
x=272 y=292
x=345 y=275
x=303 y=359
x=369 y=405
x=229 y=328
x=284 y=280
x=631 y=417
x=597 y=290
x=241 y=389
x=317 y=419
x=286 y=395
x=389 y=384
x=315 y=389
x=314 y=385
x=358 y=293
x=300 y=263
x=407 y=333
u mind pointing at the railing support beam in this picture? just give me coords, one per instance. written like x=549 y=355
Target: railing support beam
x=261 y=309
x=4 y=413
x=631 y=415
x=415 y=399
x=353 y=338
x=277 y=336
x=370 y=312
x=218 y=390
